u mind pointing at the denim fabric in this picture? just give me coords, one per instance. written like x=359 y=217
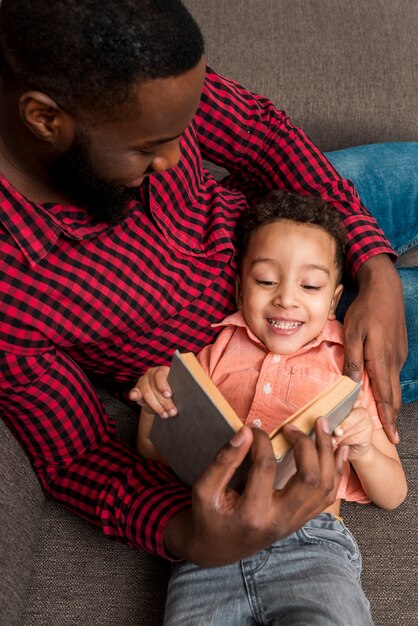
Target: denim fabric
x=311 y=578
x=386 y=177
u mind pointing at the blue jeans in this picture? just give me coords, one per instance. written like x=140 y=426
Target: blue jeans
x=386 y=177
x=311 y=578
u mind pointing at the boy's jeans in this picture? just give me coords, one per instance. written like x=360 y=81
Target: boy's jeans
x=311 y=578
x=386 y=177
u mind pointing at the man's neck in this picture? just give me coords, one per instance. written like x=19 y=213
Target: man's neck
x=27 y=179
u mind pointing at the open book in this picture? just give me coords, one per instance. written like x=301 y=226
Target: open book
x=205 y=422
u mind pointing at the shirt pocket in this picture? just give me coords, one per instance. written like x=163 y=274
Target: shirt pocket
x=305 y=383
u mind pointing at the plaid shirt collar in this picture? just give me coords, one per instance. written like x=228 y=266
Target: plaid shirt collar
x=35 y=228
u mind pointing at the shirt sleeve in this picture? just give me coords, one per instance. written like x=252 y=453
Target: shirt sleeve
x=52 y=409
x=259 y=145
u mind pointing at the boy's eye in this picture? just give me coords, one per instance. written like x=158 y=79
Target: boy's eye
x=311 y=287
x=266 y=283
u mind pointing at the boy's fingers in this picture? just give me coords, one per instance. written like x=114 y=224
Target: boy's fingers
x=161 y=382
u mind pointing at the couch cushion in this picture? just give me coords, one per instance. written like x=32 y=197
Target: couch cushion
x=21 y=510
x=346 y=71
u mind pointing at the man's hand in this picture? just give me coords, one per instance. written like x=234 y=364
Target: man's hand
x=375 y=334
x=223 y=526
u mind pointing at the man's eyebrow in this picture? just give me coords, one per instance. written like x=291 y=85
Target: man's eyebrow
x=156 y=142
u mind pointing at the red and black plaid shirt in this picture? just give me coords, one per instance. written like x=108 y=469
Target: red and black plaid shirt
x=80 y=298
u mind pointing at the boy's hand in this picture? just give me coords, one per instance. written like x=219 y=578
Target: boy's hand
x=355 y=431
x=153 y=392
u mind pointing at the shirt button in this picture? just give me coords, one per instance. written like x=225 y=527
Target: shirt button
x=257 y=422
x=276 y=358
x=267 y=388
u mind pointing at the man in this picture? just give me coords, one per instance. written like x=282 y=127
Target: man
x=117 y=247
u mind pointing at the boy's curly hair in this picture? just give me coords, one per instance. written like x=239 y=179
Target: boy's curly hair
x=281 y=204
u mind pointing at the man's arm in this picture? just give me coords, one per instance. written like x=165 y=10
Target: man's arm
x=258 y=143
x=52 y=409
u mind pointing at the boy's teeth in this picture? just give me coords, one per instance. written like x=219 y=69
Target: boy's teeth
x=285 y=325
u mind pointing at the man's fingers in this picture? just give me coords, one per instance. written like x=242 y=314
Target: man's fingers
x=383 y=375
x=396 y=393
x=382 y=391
x=259 y=487
x=319 y=472
x=212 y=484
x=353 y=357
x=341 y=458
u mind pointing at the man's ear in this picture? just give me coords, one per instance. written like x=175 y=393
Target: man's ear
x=46 y=119
x=334 y=302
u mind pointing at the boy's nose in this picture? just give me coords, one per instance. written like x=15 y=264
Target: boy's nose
x=285 y=295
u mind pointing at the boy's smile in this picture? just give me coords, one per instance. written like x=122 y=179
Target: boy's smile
x=289 y=284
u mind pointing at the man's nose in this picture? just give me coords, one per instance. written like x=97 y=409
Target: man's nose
x=168 y=156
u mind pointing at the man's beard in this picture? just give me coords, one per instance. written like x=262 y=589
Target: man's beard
x=74 y=173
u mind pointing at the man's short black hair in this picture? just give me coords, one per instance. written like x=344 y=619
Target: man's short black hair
x=88 y=53
x=281 y=204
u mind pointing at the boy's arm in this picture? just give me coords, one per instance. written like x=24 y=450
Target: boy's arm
x=373 y=457
x=380 y=472
x=144 y=444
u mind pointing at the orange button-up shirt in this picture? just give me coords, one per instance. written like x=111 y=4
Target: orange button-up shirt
x=265 y=388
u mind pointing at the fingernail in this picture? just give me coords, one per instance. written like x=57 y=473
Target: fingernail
x=339 y=432
x=237 y=439
x=164 y=415
x=334 y=441
x=325 y=425
x=397 y=437
x=166 y=394
x=172 y=412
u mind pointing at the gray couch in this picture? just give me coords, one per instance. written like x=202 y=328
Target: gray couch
x=347 y=72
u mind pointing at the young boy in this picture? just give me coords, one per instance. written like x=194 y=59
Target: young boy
x=283 y=347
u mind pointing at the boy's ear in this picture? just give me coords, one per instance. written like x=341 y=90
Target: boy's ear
x=238 y=293
x=334 y=302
